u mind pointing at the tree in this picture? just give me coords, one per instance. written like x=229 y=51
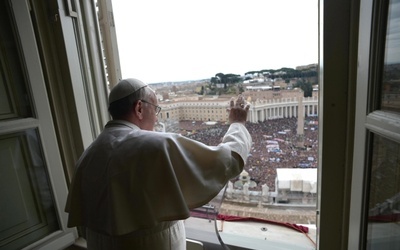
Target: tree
x=214 y=80
x=305 y=86
x=232 y=78
x=202 y=90
x=226 y=79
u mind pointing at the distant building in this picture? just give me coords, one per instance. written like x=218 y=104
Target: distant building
x=264 y=105
x=296 y=185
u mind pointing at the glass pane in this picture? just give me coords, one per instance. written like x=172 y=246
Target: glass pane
x=384 y=198
x=281 y=149
x=391 y=71
x=14 y=96
x=27 y=207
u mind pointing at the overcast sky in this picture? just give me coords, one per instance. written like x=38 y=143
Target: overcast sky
x=176 y=40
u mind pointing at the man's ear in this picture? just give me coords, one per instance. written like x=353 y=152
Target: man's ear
x=138 y=110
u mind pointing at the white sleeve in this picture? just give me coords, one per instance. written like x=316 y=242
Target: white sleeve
x=238 y=139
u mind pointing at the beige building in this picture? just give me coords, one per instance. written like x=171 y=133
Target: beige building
x=198 y=109
x=264 y=105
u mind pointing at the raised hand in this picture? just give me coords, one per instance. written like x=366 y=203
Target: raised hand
x=238 y=110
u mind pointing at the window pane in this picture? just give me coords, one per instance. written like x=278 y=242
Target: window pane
x=281 y=149
x=27 y=207
x=391 y=72
x=384 y=197
x=14 y=96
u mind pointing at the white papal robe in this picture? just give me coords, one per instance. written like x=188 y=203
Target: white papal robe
x=132 y=187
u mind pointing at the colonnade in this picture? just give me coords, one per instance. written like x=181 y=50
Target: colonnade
x=282 y=108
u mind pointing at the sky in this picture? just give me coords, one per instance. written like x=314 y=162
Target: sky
x=179 y=40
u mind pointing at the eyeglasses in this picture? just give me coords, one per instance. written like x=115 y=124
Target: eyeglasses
x=158 y=108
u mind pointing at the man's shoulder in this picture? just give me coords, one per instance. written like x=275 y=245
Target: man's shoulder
x=157 y=136
x=134 y=138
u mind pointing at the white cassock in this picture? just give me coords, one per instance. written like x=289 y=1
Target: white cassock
x=132 y=187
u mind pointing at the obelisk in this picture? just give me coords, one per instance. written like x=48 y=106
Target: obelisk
x=300 y=121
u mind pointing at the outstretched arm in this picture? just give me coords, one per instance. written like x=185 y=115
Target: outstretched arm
x=237 y=136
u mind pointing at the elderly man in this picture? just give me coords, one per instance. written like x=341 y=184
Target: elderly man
x=133 y=186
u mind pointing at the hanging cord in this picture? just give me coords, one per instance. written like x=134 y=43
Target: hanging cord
x=217 y=201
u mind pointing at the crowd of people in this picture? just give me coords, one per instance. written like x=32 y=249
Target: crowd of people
x=276 y=144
